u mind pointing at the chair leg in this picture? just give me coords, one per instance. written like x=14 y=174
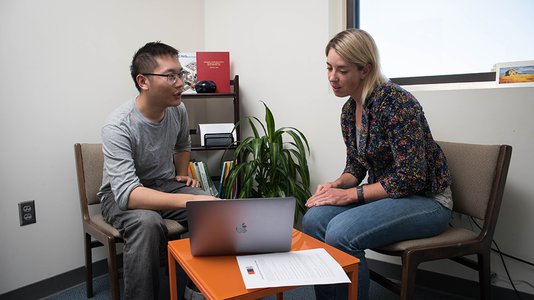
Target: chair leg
x=385 y=282
x=88 y=266
x=409 y=272
x=484 y=275
x=113 y=270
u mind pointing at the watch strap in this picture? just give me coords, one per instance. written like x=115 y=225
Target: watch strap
x=359 y=193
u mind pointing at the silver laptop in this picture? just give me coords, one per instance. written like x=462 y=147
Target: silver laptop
x=244 y=226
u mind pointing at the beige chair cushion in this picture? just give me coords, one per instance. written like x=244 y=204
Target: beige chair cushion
x=451 y=235
x=174 y=227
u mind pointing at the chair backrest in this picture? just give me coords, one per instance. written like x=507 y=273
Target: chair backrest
x=89 y=169
x=478 y=177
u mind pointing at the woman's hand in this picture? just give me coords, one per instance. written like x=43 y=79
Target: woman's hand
x=188 y=181
x=324 y=186
x=327 y=194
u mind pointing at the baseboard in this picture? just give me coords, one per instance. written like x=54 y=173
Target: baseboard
x=445 y=283
x=55 y=284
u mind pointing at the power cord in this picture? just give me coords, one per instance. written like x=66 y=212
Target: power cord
x=515 y=258
x=516 y=281
x=473 y=221
x=501 y=255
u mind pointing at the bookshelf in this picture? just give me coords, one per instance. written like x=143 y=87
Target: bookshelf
x=212 y=108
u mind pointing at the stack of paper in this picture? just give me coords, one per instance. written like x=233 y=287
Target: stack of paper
x=304 y=267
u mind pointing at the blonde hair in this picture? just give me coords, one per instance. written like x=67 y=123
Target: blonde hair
x=357 y=47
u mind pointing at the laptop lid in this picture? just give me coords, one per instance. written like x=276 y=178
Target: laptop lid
x=244 y=226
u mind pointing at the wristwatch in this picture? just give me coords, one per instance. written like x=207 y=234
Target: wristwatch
x=359 y=193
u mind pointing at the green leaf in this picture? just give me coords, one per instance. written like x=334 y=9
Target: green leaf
x=269 y=120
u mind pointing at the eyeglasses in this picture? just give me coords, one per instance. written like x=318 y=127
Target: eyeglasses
x=171 y=78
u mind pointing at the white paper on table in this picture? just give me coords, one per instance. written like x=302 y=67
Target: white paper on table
x=216 y=128
x=304 y=267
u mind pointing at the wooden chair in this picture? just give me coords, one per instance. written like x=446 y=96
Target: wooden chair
x=89 y=168
x=479 y=175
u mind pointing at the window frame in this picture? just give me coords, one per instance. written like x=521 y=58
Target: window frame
x=353 y=21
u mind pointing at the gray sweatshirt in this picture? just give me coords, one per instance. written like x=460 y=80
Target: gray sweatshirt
x=137 y=151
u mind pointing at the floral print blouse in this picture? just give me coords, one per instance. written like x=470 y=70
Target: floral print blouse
x=396 y=147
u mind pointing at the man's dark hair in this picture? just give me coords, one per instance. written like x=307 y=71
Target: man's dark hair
x=144 y=60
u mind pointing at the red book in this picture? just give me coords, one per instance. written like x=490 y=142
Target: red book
x=214 y=66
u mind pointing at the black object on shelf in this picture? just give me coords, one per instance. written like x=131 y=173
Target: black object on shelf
x=205 y=86
x=218 y=139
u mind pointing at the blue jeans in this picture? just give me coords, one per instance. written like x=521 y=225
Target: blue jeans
x=354 y=228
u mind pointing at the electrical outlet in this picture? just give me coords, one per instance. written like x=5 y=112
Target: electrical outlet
x=27 y=212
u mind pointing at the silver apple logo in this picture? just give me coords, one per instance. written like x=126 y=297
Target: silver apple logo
x=241 y=228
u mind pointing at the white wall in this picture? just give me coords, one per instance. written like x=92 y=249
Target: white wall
x=65 y=67
x=277 y=49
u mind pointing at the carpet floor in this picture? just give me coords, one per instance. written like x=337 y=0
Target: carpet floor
x=102 y=292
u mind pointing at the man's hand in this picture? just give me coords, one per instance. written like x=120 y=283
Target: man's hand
x=203 y=198
x=188 y=181
x=328 y=195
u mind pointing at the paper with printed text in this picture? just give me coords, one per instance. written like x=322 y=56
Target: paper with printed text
x=304 y=267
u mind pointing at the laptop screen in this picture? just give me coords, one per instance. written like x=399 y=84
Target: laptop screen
x=244 y=226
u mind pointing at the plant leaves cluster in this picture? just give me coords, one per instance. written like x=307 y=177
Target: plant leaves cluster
x=271 y=163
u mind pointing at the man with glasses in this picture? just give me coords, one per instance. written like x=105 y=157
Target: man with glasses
x=141 y=184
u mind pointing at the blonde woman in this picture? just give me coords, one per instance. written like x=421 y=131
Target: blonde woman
x=388 y=139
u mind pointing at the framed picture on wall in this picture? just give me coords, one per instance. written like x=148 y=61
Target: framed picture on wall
x=518 y=73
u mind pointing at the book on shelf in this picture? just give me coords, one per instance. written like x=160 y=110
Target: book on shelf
x=188 y=60
x=194 y=173
x=203 y=65
x=199 y=171
x=215 y=66
x=225 y=171
x=190 y=171
x=203 y=177
x=210 y=186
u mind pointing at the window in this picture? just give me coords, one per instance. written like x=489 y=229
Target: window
x=424 y=41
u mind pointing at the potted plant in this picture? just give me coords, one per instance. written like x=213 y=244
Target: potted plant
x=268 y=166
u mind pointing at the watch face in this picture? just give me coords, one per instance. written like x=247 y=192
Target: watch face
x=205 y=86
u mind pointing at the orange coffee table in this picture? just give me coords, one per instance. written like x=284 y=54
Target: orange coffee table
x=218 y=277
